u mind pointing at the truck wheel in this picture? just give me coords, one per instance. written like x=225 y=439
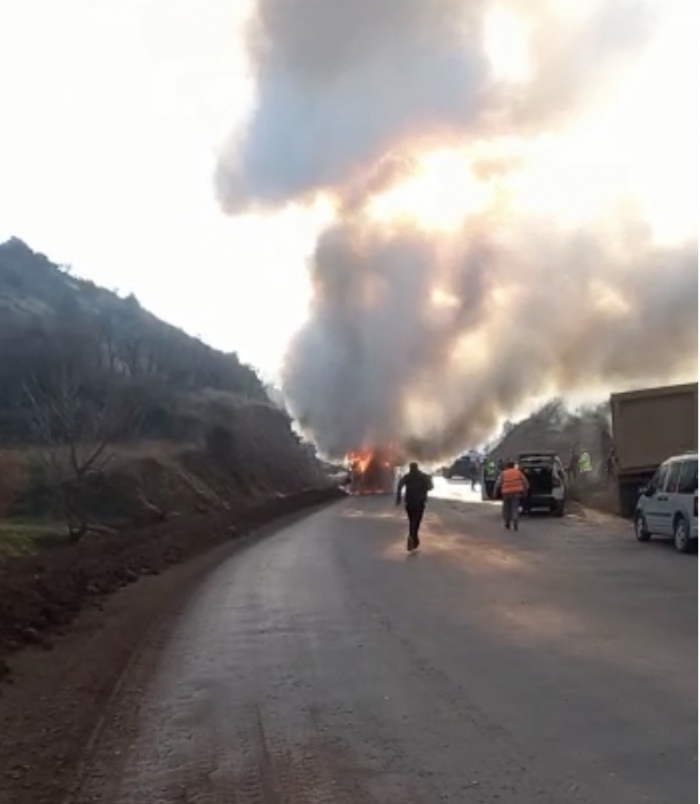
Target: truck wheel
x=640 y=528
x=681 y=535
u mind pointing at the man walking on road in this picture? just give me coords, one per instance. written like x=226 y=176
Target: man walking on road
x=417 y=485
x=512 y=484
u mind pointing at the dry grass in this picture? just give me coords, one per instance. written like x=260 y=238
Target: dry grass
x=240 y=453
x=14 y=473
x=20 y=537
x=165 y=451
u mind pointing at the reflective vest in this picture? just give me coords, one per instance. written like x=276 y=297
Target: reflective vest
x=584 y=462
x=512 y=482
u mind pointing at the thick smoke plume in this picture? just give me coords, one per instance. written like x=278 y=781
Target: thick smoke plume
x=425 y=340
x=343 y=83
x=386 y=359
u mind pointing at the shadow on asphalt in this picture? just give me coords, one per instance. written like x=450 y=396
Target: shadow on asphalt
x=659 y=543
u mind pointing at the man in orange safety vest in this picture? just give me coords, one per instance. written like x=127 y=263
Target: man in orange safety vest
x=513 y=485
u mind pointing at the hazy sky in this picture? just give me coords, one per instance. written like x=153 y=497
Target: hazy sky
x=113 y=112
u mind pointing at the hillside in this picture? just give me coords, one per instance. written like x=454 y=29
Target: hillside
x=554 y=428
x=123 y=441
x=51 y=321
x=80 y=364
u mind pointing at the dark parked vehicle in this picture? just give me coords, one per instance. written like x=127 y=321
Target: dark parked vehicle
x=459 y=469
x=465 y=467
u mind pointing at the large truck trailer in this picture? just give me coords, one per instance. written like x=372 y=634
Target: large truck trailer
x=649 y=426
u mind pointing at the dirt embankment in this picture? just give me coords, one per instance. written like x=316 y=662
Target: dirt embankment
x=41 y=593
x=156 y=504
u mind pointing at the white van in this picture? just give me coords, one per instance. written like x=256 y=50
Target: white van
x=545 y=474
x=668 y=506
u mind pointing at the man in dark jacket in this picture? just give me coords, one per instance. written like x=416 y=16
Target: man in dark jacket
x=417 y=485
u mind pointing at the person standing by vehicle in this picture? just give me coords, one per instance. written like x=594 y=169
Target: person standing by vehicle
x=490 y=475
x=585 y=468
x=417 y=485
x=610 y=465
x=472 y=472
x=512 y=484
x=476 y=472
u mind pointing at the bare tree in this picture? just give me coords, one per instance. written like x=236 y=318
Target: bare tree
x=132 y=350
x=77 y=426
x=108 y=340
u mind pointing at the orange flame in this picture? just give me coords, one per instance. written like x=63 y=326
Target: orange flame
x=360 y=460
x=372 y=469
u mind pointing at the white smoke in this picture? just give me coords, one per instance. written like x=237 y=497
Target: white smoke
x=343 y=83
x=421 y=339
x=383 y=359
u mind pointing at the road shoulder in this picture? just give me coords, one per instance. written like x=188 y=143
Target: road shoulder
x=51 y=711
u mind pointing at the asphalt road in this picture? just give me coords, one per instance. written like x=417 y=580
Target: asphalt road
x=323 y=664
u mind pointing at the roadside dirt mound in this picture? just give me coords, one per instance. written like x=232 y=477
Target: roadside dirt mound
x=42 y=592
x=602 y=497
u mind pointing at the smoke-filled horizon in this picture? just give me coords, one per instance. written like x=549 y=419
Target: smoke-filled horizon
x=425 y=338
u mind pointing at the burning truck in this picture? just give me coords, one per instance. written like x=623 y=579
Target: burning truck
x=373 y=471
